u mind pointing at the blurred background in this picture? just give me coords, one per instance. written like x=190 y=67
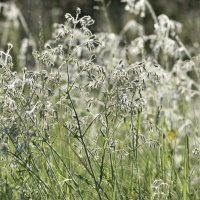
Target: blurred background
x=34 y=18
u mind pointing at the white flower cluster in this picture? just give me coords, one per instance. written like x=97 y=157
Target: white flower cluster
x=137 y=7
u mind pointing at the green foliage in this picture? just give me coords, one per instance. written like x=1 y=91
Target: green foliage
x=101 y=119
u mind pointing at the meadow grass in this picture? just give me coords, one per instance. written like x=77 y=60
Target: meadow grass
x=101 y=119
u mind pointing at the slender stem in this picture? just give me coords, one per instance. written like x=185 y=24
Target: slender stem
x=40 y=181
x=177 y=38
x=152 y=12
x=105 y=11
x=186 y=168
x=85 y=148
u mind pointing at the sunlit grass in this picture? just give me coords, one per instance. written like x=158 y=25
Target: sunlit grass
x=92 y=123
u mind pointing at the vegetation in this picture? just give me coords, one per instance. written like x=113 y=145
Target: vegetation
x=92 y=116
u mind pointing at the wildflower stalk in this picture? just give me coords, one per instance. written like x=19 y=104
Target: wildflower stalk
x=177 y=38
x=63 y=162
x=115 y=184
x=163 y=156
x=152 y=12
x=136 y=152
x=105 y=11
x=42 y=152
x=186 y=168
x=81 y=137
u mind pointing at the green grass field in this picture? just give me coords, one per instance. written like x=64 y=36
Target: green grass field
x=95 y=116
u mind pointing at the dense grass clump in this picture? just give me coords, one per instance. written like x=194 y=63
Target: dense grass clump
x=98 y=117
